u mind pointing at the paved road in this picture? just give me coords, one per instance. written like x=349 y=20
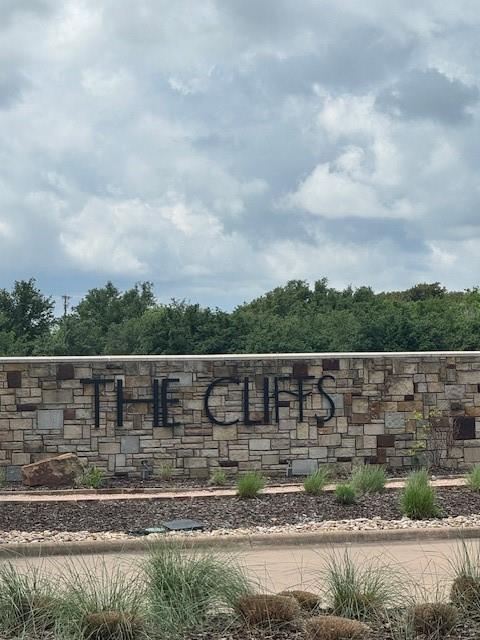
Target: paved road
x=277 y=567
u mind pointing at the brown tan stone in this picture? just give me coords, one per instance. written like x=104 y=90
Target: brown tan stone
x=52 y=472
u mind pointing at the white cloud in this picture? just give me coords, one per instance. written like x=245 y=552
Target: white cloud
x=336 y=194
x=157 y=141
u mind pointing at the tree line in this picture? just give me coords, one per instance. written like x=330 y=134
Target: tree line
x=296 y=317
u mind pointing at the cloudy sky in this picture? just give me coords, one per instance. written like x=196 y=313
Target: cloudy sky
x=221 y=147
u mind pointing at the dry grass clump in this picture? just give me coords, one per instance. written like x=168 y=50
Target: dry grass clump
x=434 y=620
x=263 y=609
x=307 y=600
x=112 y=625
x=335 y=628
x=465 y=592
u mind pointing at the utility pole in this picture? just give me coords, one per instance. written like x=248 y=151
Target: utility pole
x=65 y=304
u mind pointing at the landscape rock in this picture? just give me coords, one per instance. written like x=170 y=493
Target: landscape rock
x=52 y=472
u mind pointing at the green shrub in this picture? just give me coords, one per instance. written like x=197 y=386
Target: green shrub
x=91 y=478
x=27 y=602
x=218 y=478
x=102 y=604
x=472 y=478
x=184 y=585
x=315 y=482
x=250 y=484
x=359 y=591
x=418 y=499
x=345 y=494
x=3 y=477
x=369 y=479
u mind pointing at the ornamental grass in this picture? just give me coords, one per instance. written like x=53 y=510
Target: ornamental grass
x=369 y=479
x=184 y=586
x=360 y=591
x=250 y=484
x=472 y=479
x=315 y=482
x=419 y=499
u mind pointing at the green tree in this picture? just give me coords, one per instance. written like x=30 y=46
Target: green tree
x=26 y=315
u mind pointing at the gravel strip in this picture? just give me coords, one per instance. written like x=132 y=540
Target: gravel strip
x=359 y=524
x=220 y=512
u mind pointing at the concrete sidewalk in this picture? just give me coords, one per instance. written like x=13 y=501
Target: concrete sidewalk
x=16 y=497
x=425 y=563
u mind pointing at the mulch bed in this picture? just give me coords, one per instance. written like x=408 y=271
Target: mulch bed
x=217 y=512
x=467 y=629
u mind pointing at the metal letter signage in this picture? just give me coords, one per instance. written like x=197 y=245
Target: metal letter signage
x=161 y=400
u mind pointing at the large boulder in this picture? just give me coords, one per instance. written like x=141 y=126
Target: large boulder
x=52 y=472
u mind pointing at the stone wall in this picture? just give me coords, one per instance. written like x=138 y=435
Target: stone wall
x=125 y=421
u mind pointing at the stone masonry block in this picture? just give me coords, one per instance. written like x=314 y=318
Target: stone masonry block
x=394 y=420
x=454 y=391
x=259 y=444
x=130 y=444
x=50 y=419
x=400 y=386
x=58 y=396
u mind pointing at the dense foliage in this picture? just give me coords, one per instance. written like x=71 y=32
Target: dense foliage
x=292 y=318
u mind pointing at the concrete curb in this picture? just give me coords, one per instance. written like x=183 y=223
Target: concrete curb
x=140 y=545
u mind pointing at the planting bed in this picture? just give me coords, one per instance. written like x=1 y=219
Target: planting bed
x=219 y=512
x=467 y=629
x=231 y=481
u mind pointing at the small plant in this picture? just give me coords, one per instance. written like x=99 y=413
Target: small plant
x=359 y=591
x=101 y=604
x=112 y=625
x=165 y=472
x=91 y=478
x=418 y=499
x=369 y=479
x=27 y=603
x=465 y=591
x=185 y=585
x=345 y=494
x=218 y=478
x=265 y=609
x=250 y=484
x=308 y=601
x=3 y=477
x=434 y=620
x=315 y=482
x=433 y=437
x=473 y=478
x=335 y=628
